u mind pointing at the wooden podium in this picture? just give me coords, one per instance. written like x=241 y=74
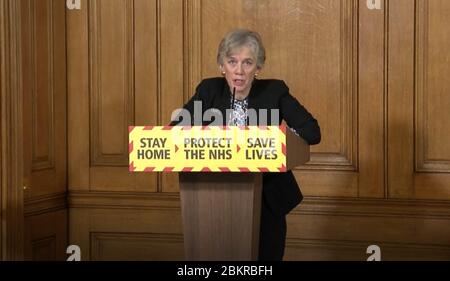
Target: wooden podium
x=221 y=211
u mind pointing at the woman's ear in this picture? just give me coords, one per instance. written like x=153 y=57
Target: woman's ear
x=221 y=70
x=258 y=70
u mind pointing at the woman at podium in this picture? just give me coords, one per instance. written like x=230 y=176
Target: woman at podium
x=241 y=57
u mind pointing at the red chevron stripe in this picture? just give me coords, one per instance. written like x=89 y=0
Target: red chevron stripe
x=224 y=169
x=205 y=128
x=149 y=169
x=167 y=128
x=130 y=128
x=245 y=128
x=148 y=128
x=263 y=169
x=187 y=169
x=130 y=147
x=282 y=168
x=282 y=129
x=283 y=149
x=131 y=167
x=186 y=128
x=244 y=170
x=168 y=169
x=206 y=169
x=266 y=128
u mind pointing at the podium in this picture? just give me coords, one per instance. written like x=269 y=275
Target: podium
x=221 y=211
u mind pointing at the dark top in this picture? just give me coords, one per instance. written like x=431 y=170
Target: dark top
x=280 y=190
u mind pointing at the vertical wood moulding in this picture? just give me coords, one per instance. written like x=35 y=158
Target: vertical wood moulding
x=48 y=161
x=158 y=79
x=193 y=31
x=385 y=98
x=11 y=132
x=420 y=106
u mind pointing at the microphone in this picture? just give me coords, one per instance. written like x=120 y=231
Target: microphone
x=232 y=108
x=234 y=95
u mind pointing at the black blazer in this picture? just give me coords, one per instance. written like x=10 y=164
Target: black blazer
x=280 y=190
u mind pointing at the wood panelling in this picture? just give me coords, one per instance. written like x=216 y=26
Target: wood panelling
x=371 y=100
x=432 y=92
x=116 y=200
x=110 y=88
x=324 y=229
x=111 y=76
x=44 y=86
x=320 y=229
x=136 y=246
x=374 y=79
x=118 y=229
x=44 y=248
x=46 y=203
x=418 y=98
x=44 y=121
x=11 y=141
x=46 y=236
x=329 y=250
x=78 y=98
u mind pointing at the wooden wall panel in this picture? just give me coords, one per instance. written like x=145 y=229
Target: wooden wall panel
x=44 y=74
x=44 y=119
x=46 y=236
x=109 y=89
x=111 y=76
x=326 y=250
x=372 y=38
x=78 y=98
x=433 y=99
x=371 y=77
x=132 y=246
x=126 y=227
x=11 y=134
x=324 y=229
x=418 y=131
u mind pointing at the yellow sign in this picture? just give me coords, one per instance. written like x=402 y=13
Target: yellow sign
x=207 y=149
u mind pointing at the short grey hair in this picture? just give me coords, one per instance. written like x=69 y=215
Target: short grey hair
x=239 y=38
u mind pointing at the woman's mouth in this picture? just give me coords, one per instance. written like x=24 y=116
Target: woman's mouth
x=239 y=82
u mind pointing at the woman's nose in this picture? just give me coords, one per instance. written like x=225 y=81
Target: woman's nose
x=239 y=69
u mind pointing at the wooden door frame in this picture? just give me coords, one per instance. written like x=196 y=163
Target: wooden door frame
x=11 y=141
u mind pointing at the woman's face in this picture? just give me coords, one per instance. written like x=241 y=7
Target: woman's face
x=240 y=69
